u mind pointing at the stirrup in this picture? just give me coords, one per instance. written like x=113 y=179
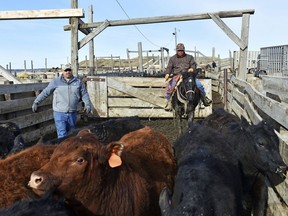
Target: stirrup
x=168 y=106
x=206 y=101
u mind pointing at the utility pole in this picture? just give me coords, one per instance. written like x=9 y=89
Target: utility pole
x=175 y=34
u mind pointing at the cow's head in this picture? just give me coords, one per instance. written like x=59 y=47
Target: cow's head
x=264 y=145
x=77 y=166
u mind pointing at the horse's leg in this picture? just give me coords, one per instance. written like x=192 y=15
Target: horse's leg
x=178 y=122
x=191 y=117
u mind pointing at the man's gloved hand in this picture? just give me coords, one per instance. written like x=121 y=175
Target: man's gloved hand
x=34 y=107
x=87 y=109
x=167 y=76
x=190 y=70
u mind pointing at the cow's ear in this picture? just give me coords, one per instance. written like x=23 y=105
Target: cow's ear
x=115 y=159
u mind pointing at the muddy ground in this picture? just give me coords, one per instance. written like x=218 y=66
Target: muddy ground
x=168 y=126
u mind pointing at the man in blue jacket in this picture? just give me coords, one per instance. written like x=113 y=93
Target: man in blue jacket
x=67 y=91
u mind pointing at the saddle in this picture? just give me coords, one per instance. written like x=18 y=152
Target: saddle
x=175 y=79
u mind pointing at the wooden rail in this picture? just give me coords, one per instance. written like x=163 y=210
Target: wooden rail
x=15 y=105
x=130 y=96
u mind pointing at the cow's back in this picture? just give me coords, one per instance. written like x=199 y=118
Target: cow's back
x=155 y=157
x=16 y=170
x=208 y=180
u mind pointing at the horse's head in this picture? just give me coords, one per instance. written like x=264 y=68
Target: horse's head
x=186 y=98
x=189 y=85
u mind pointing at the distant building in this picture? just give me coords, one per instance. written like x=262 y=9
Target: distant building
x=252 y=59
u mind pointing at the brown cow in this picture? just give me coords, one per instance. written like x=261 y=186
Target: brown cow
x=16 y=170
x=86 y=171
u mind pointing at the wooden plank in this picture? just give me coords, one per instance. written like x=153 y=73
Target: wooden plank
x=237 y=95
x=142 y=113
x=7 y=75
x=160 y=92
x=98 y=95
x=137 y=103
x=153 y=99
x=174 y=18
x=252 y=113
x=19 y=88
x=41 y=14
x=128 y=102
x=214 y=76
x=93 y=34
x=20 y=104
x=84 y=31
x=237 y=109
x=274 y=204
x=146 y=113
x=244 y=52
x=32 y=119
x=215 y=83
x=215 y=88
x=283 y=147
x=227 y=30
x=142 y=81
x=272 y=108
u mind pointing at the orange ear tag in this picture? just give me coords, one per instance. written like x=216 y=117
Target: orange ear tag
x=114 y=160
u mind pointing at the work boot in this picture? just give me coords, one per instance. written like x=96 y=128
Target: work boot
x=206 y=101
x=168 y=106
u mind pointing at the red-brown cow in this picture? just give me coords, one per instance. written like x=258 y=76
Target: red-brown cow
x=84 y=170
x=16 y=170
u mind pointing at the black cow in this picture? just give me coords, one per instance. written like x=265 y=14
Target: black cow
x=257 y=147
x=10 y=137
x=46 y=205
x=108 y=131
x=208 y=180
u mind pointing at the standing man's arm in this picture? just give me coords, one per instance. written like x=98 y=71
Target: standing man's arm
x=43 y=95
x=85 y=98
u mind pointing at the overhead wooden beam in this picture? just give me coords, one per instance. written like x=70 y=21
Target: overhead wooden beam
x=41 y=14
x=161 y=19
x=93 y=34
x=227 y=30
x=84 y=31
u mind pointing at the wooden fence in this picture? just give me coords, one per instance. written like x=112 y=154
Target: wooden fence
x=110 y=96
x=130 y=96
x=15 y=105
x=248 y=98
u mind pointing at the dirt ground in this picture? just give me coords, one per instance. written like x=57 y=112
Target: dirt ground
x=168 y=126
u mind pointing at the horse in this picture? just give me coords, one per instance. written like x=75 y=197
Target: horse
x=185 y=98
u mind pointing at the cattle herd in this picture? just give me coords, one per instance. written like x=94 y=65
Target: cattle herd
x=120 y=167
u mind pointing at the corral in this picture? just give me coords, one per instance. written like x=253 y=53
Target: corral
x=117 y=97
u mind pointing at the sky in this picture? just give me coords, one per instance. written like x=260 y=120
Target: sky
x=37 y=40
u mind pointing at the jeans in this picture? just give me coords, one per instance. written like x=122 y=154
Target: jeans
x=64 y=122
x=200 y=86
x=198 y=83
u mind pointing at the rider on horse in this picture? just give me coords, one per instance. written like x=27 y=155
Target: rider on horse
x=182 y=62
